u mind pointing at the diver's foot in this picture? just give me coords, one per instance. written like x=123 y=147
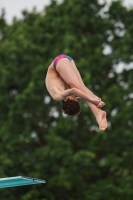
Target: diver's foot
x=101 y=120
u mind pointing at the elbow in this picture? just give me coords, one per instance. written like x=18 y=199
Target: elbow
x=73 y=90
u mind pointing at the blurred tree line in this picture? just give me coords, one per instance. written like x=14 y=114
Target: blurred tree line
x=36 y=139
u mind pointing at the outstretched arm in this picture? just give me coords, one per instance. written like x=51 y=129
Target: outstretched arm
x=78 y=93
x=99 y=105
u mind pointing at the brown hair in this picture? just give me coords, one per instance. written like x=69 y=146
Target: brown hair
x=70 y=107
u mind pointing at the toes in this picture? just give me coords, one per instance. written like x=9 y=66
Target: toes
x=100 y=104
x=103 y=128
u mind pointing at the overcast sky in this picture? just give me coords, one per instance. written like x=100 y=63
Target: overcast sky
x=14 y=7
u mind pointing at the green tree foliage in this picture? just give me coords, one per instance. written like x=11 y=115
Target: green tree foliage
x=76 y=160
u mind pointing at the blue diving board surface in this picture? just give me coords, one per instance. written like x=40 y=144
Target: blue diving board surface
x=19 y=181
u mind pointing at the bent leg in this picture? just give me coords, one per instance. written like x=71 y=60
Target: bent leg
x=73 y=79
x=77 y=72
x=67 y=73
x=71 y=76
x=101 y=104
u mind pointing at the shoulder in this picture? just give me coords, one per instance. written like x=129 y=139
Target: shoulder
x=58 y=97
x=61 y=95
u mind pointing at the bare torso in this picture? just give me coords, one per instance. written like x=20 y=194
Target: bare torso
x=54 y=83
x=59 y=90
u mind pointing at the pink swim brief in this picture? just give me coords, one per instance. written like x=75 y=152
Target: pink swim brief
x=56 y=60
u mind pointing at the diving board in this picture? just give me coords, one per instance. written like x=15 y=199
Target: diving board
x=19 y=181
